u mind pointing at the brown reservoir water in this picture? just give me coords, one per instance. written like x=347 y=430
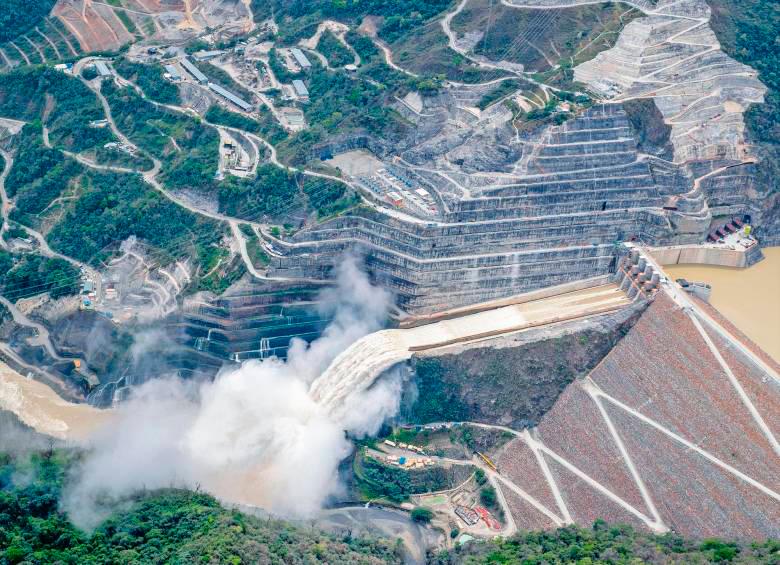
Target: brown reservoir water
x=749 y=298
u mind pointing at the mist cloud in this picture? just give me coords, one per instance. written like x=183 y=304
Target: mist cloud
x=254 y=435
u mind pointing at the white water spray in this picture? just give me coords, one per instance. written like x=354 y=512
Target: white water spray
x=258 y=434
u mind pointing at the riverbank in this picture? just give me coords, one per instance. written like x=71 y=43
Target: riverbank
x=38 y=406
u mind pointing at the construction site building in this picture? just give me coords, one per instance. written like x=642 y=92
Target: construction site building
x=300 y=58
x=173 y=72
x=206 y=55
x=194 y=71
x=226 y=94
x=102 y=69
x=300 y=89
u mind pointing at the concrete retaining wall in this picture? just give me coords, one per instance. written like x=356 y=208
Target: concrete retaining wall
x=700 y=255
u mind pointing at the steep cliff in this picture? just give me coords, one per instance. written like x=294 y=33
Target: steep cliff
x=512 y=380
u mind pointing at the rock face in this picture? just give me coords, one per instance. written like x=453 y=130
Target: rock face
x=661 y=156
x=673 y=58
x=97 y=27
x=512 y=381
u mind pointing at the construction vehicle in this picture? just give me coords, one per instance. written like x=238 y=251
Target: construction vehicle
x=487 y=461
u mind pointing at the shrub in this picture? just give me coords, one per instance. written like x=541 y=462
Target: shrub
x=422 y=515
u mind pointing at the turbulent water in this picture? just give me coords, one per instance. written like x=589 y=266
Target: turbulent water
x=356 y=369
x=272 y=433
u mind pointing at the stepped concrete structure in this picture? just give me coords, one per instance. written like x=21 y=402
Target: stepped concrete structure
x=252 y=321
x=525 y=212
x=517 y=209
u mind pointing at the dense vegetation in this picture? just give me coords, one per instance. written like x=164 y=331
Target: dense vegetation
x=19 y=16
x=188 y=149
x=436 y=403
x=329 y=198
x=176 y=526
x=301 y=16
x=377 y=480
x=504 y=89
x=265 y=126
x=605 y=544
x=62 y=102
x=39 y=175
x=336 y=54
x=272 y=189
x=425 y=51
x=27 y=275
x=111 y=207
x=171 y=526
x=274 y=192
x=342 y=104
x=101 y=209
x=748 y=30
x=150 y=79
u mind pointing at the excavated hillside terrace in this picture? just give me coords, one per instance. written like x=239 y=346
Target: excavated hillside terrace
x=673 y=57
x=104 y=26
x=513 y=209
x=519 y=212
x=253 y=321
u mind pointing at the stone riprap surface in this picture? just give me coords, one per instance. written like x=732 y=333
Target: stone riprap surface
x=658 y=435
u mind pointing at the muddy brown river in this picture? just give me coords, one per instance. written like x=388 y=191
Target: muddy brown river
x=749 y=298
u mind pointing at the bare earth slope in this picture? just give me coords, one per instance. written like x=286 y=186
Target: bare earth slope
x=98 y=27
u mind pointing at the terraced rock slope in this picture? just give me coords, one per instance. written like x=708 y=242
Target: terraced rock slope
x=522 y=207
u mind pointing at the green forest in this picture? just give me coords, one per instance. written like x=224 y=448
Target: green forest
x=27 y=275
x=606 y=544
x=436 y=403
x=400 y=16
x=19 y=16
x=748 y=31
x=39 y=175
x=274 y=192
x=377 y=480
x=98 y=210
x=336 y=54
x=179 y=526
x=169 y=526
x=150 y=79
x=111 y=207
x=265 y=126
x=62 y=102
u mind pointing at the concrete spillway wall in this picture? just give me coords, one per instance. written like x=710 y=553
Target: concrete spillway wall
x=706 y=255
x=356 y=369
